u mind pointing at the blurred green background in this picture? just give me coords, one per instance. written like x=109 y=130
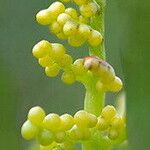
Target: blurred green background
x=24 y=85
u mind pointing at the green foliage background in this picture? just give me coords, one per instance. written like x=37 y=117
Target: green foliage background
x=23 y=83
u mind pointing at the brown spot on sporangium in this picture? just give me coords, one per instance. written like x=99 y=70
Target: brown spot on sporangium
x=90 y=67
x=108 y=67
x=94 y=59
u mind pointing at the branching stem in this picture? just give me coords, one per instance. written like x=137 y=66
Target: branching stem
x=94 y=100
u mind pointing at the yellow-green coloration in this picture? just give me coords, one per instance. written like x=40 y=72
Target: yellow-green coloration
x=66 y=24
x=83 y=19
x=72 y=12
x=95 y=38
x=68 y=77
x=45 y=137
x=108 y=112
x=65 y=1
x=78 y=67
x=47 y=16
x=52 y=71
x=67 y=146
x=102 y=124
x=117 y=122
x=43 y=17
x=80 y=2
x=65 y=61
x=96 y=127
x=42 y=49
x=67 y=121
x=84 y=31
x=58 y=51
x=46 y=61
x=29 y=130
x=89 y=10
x=54 y=131
x=116 y=85
x=63 y=18
x=36 y=115
x=50 y=122
x=55 y=27
x=113 y=134
x=60 y=137
x=70 y=28
x=55 y=9
x=77 y=133
x=62 y=36
x=49 y=147
x=76 y=41
x=84 y=119
x=100 y=86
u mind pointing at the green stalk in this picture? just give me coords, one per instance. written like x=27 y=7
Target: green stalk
x=97 y=23
x=94 y=100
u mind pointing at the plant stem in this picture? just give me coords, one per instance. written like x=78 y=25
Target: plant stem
x=97 y=23
x=94 y=100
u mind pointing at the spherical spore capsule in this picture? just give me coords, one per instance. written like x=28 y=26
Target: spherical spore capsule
x=70 y=28
x=67 y=121
x=88 y=10
x=29 y=130
x=108 y=112
x=65 y=61
x=116 y=85
x=46 y=61
x=51 y=122
x=43 y=17
x=72 y=12
x=84 y=31
x=45 y=137
x=42 y=49
x=55 y=9
x=52 y=71
x=81 y=118
x=102 y=124
x=95 y=38
x=84 y=119
x=77 y=133
x=63 y=18
x=78 y=67
x=107 y=73
x=55 y=27
x=60 y=136
x=113 y=134
x=68 y=77
x=58 y=51
x=36 y=115
x=117 y=122
x=92 y=121
x=76 y=41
